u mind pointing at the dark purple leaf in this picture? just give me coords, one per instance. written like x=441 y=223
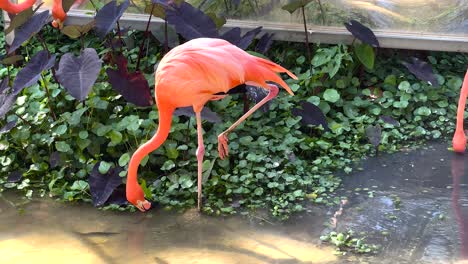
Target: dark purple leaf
x=10 y=125
x=15 y=176
x=32 y=71
x=233 y=35
x=133 y=87
x=311 y=115
x=190 y=22
x=422 y=70
x=54 y=159
x=7 y=98
x=28 y=29
x=78 y=74
x=107 y=17
x=206 y=114
x=247 y=39
x=363 y=33
x=236 y=3
x=264 y=43
x=389 y=120
x=102 y=186
x=118 y=196
x=374 y=134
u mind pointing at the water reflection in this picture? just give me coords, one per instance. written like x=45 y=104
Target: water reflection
x=414 y=204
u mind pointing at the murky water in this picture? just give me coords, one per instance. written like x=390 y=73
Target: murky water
x=414 y=204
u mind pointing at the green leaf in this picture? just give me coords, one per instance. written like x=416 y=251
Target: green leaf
x=185 y=181
x=79 y=185
x=60 y=130
x=115 y=136
x=258 y=191
x=104 y=167
x=331 y=95
x=62 y=146
x=169 y=164
x=145 y=189
x=76 y=116
x=295 y=4
x=83 y=134
x=365 y=54
x=404 y=86
x=124 y=159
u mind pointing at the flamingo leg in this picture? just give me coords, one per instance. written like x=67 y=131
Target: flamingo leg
x=200 y=153
x=459 y=138
x=223 y=139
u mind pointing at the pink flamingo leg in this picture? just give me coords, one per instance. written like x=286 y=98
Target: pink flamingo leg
x=459 y=138
x=223 y=139
x=200 y=153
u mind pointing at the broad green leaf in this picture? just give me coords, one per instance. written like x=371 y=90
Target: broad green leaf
x=365 y=54
x=331 y=95
x=62 y=146
x=104 y=167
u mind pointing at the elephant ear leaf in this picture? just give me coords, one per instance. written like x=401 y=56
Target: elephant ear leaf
x=7 y=99
x=311 y=115
x=206 y=114
x=190 y=22
x=32 y=71
x=363 y=33
x=28 y=29
x=422 y=70
x=104 y=186
x=107 y=17
x=374 y=135
x=78 y=74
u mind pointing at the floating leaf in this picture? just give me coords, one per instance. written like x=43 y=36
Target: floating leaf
x=54 y=159
x=107 y=17
x=9 y=126
x=19 y=20
x=15 y=176
x=365 y=54
x=102 y=186
x=133 y=87
x=422 y=70
x=311 y=115
x=374 y=134
x=389 y=120
x=75 y=31
x=295 y=4
x=28 y=29
x=363 y=33
x=206 y=114
x=78 y=74
x=11 y=60
x=264 y=43
x=190 y=22
x=32 y=71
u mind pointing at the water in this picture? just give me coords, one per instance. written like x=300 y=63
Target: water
x=414 y=204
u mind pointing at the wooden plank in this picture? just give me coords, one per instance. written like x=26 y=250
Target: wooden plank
x=317 y=34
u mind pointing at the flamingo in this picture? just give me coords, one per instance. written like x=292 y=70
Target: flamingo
x=192 y=74
x=58 y=13
x=459 y=138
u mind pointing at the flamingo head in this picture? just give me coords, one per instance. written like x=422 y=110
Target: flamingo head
x=136 y=196
x=459 y=142
x=57 y=23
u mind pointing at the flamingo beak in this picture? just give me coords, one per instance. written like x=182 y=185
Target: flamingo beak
x=143 y=206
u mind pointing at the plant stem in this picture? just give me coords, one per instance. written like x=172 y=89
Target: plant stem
x=24 y=120
x=166 y=41
x=82 y=41
x=145 y=35
x=119 y=33
x=54 y=117
x=92 y=3
x=44 y=45
x=306 y=33
x=322 y=12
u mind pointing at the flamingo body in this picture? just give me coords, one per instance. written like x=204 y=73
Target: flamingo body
x=16 y=8
x=192 y=74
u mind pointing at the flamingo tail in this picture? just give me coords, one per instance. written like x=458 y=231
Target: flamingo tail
x=16 y=8
x=165 y=119
x=262 y=70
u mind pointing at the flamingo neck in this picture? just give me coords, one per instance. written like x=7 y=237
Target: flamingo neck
x=165 y=119
x=16 y=8
x=461 y=105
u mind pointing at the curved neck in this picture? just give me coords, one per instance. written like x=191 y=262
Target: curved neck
x=16 y=8
x=57 y=10
x=461 y=105
x=165 y=119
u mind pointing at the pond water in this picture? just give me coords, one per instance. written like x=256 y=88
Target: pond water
x=414 y=204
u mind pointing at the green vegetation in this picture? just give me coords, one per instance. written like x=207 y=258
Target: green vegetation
x=347 y=241
x=276 y=162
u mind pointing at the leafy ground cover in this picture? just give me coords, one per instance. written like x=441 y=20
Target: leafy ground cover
x=55 y=142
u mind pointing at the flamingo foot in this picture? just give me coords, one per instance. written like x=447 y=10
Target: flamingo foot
x=223 y=148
